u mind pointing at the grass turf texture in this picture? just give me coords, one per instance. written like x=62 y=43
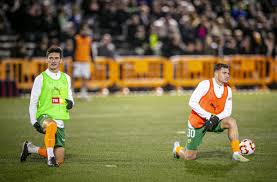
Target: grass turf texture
x=130 y=138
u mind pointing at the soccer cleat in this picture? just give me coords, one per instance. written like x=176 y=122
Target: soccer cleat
x=175 y=154
x=52 y=162
x=239 y=157
x=24 y=153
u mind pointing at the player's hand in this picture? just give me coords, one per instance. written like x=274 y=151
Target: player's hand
x=211 y=123
x=69 y=104
x=38 y=128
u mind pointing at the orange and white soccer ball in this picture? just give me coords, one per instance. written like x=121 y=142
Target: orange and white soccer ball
x=247 y=147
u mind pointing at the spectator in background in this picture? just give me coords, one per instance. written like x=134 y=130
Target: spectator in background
x=199 y=47
x=133 y=24
x=213 y=43
x=140 y=40
x=70 y=31
x=156 y=9
x=116 y=13
x=194 y=19
x=269 y=42
x=245 y=46
x=76 y=17
x=90 y=8
x=258 y=43
x=190 y=48
x=20 y=49
x=238 y=35
x=54 y=41
x=187 y=29
x=202 y=30
x=68 y=50
x=4 y=25
x=229 y=20
x=230 y=46
x=82 y=58
x=27 y=19
x=154 y=47
x=173 y=47
x=63 y=19
x=145 y=17
x=137 y=34
x=106 y=48
x=238 y=10
x=50 y=22
x=42 y=48
x=166 y=26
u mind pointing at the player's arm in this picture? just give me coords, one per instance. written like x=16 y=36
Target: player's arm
x=201 y=90
x=69 y=100
x=35 y=93
x=228 y=106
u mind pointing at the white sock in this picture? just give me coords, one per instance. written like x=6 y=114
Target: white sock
x=236 y=152
x=50 y=152
x=32 y=148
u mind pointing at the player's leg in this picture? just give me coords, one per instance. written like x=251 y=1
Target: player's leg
x=77 y=73
x=233 y=134
x=85 y=79
x=50 y=128
x=28 y=148
x=59 y=154
x=59 y=146
x=194 y=139
x=24 y=152
x=181 y=152
x=84 y=88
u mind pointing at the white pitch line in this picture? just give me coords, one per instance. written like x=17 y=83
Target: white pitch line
x=110 y=165
x=181 y=132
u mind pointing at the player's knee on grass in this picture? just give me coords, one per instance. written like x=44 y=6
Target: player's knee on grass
x=59 y=154
x=190 y=154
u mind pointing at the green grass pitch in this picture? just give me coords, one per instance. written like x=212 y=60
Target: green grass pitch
x=130 y=138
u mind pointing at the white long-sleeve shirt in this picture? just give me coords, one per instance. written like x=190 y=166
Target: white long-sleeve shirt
x=201 y=90
x=36 y=91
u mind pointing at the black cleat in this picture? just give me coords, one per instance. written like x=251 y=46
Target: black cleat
x=24 y=153
x=52 y=162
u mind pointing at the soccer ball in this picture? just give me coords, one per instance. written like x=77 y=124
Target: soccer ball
x=247 y=147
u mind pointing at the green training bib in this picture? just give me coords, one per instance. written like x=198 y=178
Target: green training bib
x=52 y=98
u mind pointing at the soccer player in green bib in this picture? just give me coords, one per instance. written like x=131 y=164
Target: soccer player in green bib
x=51 y=100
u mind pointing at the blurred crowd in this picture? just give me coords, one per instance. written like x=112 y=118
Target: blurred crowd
x=139 y=27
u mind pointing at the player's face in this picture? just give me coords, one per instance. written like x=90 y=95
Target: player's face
x=54 y=60
x=222 y=75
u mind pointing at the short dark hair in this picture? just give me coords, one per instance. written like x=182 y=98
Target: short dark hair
x=218 y=66
x=56 y=49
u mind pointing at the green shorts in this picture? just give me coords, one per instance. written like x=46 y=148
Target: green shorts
x=195 y=135
x=60 y=135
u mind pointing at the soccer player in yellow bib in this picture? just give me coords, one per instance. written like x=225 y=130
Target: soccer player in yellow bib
x=51 y=100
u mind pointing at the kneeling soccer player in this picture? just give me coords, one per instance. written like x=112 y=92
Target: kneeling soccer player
x=51 y=98
x=211 y=104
